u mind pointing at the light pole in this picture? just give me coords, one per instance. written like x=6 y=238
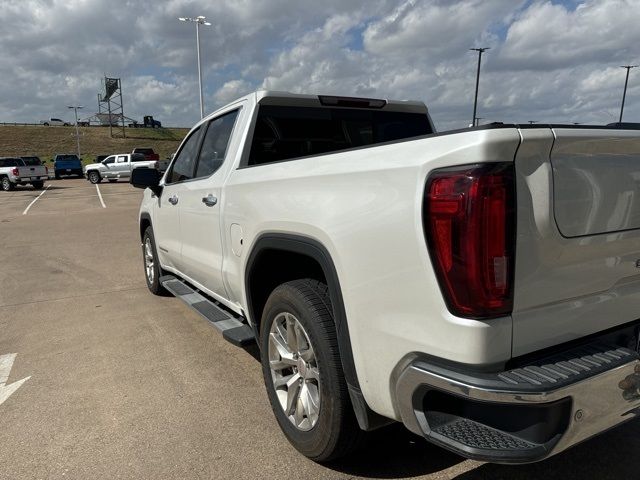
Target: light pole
x=475 y=101
x=75 y=110
x=624 y=94
x=200 y=20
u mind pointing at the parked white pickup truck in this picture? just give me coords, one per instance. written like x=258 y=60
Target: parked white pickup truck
x=15 y=171
x=54 y=121
x=481 y=286
x=118 y=166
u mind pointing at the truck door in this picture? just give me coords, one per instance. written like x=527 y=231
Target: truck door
x=166 y=226
x=201 y=202
x=122 y=167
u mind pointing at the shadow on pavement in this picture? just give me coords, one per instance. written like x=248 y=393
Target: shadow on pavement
x=395 y=452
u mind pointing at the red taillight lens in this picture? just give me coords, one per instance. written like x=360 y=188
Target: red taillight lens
x=46 y=170
x=469 y=221
x=15 y=172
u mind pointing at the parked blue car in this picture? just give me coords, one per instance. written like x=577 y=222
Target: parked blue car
x=67 y=164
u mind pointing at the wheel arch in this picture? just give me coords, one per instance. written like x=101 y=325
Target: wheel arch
x=145 y=222
x=310 y=256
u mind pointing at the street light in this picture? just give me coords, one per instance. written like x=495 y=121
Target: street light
x=475 y=101
x=75 y=110
x=624 y=94
x=198 y=21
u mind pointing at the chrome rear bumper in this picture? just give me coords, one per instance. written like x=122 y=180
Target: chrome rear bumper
x=521 y=415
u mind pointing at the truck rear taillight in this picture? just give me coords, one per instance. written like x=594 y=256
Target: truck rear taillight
x=15 y=172
x=46 y=170
x=469 y=222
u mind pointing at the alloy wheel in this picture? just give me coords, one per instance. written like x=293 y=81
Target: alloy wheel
x=294 y=371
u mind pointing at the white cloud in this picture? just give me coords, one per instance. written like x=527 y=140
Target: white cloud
x=549 y=61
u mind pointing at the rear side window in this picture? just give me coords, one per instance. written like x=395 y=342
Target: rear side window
x=121 y=159
x=185 y=162
x=214 y=145
x=10 y=162
x=282 y=133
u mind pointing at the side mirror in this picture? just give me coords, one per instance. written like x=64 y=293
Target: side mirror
x=144 y=177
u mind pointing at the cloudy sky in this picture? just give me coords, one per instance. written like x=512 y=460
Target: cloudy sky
x=550 y=61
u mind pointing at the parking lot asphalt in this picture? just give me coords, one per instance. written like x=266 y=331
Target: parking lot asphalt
x=123 y=384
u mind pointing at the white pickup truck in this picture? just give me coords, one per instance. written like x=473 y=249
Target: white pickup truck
x=17 y=171
x=115 y=167
x=481 y=286
x=54 y=121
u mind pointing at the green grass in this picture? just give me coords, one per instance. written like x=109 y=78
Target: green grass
x=45 y=142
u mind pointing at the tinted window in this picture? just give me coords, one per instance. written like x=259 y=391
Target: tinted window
x=31 y=161
x=109 y=160
x=214 y=145
x=289 y=132
x=10 y=162
x=121 y=159
x=184 y=163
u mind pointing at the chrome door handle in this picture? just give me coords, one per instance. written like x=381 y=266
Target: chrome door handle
x=209 y=200
x=173 y=200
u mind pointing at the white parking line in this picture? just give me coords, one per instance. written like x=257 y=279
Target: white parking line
x=100 y=196
x=35 y=200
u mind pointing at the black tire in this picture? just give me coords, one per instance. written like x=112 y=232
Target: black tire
x=336 y=432
x=37 y=185
x=94 y=176
x=153 y=284
x=46 y=124
x=57 y=175
x=6 y=184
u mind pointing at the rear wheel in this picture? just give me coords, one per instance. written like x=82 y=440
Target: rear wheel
x=38 y=185
x=303 y=372
x=152 y=270
x=94 y=177
x=6 y=184
x=57 y=175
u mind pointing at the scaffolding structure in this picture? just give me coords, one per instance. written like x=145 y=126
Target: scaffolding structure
x=111 y=106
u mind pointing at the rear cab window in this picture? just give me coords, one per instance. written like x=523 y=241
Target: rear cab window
x=288 y=132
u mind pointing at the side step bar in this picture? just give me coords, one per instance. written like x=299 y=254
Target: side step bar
x=232 y=326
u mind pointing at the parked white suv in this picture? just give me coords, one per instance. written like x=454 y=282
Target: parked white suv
x=480 y=286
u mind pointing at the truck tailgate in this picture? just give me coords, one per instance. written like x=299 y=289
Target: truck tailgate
x=32 y=171
x=577 y=266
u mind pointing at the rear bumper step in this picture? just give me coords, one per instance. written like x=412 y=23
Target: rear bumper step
x=526 y=414
x=232 y=327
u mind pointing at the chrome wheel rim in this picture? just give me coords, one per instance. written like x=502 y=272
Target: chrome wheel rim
x=148 y=260
x=5 y=183
x=294 y=371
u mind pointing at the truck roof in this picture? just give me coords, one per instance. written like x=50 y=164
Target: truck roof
x=275 y=97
